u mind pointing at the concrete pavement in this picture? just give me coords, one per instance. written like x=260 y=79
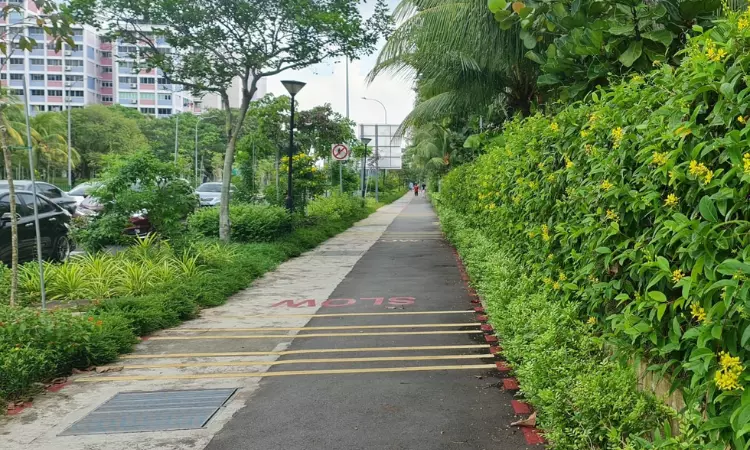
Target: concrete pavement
x=366 y=342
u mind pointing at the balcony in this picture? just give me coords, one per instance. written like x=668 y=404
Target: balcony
x=38 y=51
x=36 y=68
x=163 y=102
x=148 y=72
x=105 y=61
x=55 y=84
x=74 y=69
x=54 y=53
x=105 y=46
x=76 y=100
x=17 y=83
x=37 y=83
x=105 y=76
x=127 y=102
x=74 y=84
x=19 y=67
x=106 y=90
x=54 y=99
x=148 y=102
x=37 y=99
x=54 y=68
x=124 y=70
x=148 y=87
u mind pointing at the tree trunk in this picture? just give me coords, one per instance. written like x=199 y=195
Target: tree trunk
x=13 y=219
x=233 y=128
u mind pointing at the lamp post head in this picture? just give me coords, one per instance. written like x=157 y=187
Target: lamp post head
x=293 y=87
x=365 y=141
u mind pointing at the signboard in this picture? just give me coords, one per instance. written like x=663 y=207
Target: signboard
x=386 y=143
x=340 y=152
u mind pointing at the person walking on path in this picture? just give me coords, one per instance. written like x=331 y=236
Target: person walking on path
x=416 y=189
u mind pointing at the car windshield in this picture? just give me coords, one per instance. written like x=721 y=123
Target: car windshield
x=20 y=185
x=83 y=189
x=209 y=187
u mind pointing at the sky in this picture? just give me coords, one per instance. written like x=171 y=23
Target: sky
x=326 y=83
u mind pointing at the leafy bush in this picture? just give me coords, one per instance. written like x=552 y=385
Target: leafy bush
x=633 y=206
x=250 y=223
x=335 y=207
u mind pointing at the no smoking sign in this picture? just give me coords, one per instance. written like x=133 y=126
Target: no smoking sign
x=340 y=152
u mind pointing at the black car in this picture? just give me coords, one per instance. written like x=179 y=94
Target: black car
x=54 y=225
x=50 y=191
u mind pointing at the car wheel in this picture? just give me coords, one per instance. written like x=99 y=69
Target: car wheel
x=61 y=251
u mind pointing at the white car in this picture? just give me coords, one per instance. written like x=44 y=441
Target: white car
x=83 y=190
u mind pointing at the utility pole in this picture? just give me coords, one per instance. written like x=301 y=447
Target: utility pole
x=176 y=136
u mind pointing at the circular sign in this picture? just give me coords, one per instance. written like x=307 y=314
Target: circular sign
x=340 y=152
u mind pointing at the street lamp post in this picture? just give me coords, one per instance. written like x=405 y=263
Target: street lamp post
x=176 y=136
x=364 y=166
x=385 y=111
x=293 y=87
x=197 y=181
x=377 y=155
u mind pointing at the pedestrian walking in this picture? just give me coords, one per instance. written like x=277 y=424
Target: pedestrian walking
x=416 y=190
x=424 y=188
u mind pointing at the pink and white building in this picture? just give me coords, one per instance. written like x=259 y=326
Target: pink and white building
x=93 y=71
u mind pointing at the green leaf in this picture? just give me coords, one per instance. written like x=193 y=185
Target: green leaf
x=708 y=209
x=716 y=331
x=536 y=57
x=497 y=5
x=622 y=30
x=658 y=296
x=731 y=267
x=715 y=423
x=529 y=41
x=633 y=52
x=740 y=417
x=663 y=37
x=603 y=250
x=660 y=310
x=745 y=336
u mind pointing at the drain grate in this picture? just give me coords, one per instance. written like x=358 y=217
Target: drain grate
x=130 y=412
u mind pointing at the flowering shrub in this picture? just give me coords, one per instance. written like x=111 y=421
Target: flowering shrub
x=634 y=205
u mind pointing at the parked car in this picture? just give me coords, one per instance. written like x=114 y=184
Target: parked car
x=83 y=190
x=210 y=193
x=54 y=226
x=51 y=192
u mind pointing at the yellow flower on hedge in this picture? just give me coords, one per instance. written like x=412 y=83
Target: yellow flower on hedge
x=562 y=277
x=699 y=170
x=606 y=185
x=588 y=148
x=551 y=178
x=671 y=200
x=547 y=281
x=554 y=127
x=741 y=120
x=568 y=163
x=659 y=158
x=540 y=166
x=698 y=313
x=556 y=286
x=550 y=256
x=611 y=215
x=708 y=176
x=743 y=23
x=545 y=233
x=677 y=275
x=746 y=163
x=637 y=79
x=585 y=133
x=727 y=378
x=656 y=63
x=591 y=321
x=617 y=135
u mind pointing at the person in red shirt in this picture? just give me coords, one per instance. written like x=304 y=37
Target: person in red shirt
x=416 y=190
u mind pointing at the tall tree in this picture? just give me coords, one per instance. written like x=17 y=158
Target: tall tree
x=216 y=41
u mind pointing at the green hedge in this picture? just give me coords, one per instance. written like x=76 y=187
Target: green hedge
x=250 y=223
x=37 y=347
x=633 y=206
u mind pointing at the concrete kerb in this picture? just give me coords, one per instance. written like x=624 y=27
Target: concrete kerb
x=308 y=276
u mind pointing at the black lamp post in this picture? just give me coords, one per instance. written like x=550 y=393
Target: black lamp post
x=293 y=87
x=364 y=165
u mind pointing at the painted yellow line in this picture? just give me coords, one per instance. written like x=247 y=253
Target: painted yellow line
x=345 y=327
x=397 y=313
x=285 y=374
x=307 y=361
x=316 y=335
x=302 y=352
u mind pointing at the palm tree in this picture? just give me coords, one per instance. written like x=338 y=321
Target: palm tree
x=463 y=61
x=50 y=144
x=432 y=152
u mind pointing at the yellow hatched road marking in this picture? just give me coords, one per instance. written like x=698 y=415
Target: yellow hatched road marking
x=398 y=313
x=307 y=361
x=283 y=374
x=345 y=327
x=316 y=335
x=301 y=352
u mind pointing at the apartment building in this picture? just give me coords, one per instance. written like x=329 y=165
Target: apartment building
x=93 y=71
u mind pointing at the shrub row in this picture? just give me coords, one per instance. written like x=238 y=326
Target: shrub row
x=36 y=347
x=632 y=206
x=250 y=223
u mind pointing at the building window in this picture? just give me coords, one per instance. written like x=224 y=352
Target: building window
x=36 y=31
x=107 y=69
x=54 y=93
x=162 y=81
x=107 y=84
x=38 y=46
x=78 y=33
x=107 y=98
x=127 y=64
x=148 y=96
x=37 y=77
x=78 y=78
x=126 y=49
x=37 y=62
x=54 y=77
x=16 y=91
x=16 y=76
x=165 y=111
x=165 y=96
x=17 y=61
x=74 y=93
x=106 y=54
x=38 y=108
x=37 y=92
x=78 y=48
x=54 y=62
x=128 y=96
x=128 y=80
x=55 y=108
x=148 y=110
x=73 y=63
x=148 y=80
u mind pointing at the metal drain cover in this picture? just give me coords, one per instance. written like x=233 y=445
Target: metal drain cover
x=130 y=412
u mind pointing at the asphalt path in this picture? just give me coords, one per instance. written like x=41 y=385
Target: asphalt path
x=411 y=268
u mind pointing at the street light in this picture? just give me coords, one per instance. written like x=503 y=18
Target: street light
x=381 y=104
x=365 y=141
x=293 y=87
x=196 y=151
